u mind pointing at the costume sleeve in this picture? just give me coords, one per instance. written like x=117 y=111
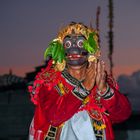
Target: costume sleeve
x=56 y=108
x=117 y=105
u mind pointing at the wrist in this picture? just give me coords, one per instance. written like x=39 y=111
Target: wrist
x=104 y=90
x=106 y=94
x=86 y=86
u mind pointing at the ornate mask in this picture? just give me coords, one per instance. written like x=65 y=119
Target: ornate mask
x=74 y=50
x=74 y=45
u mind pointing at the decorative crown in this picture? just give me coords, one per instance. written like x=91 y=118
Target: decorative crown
x=79 y=29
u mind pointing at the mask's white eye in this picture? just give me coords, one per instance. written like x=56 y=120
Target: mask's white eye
x=80 y=43
x=67 y=44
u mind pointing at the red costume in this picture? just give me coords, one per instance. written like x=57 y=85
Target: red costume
x=56 y=103
x=68 y=108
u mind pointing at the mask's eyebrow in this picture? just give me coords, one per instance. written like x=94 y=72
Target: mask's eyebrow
x=81 y=36
x=68 y=36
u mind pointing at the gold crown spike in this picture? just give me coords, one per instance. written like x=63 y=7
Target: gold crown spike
x=60 y=66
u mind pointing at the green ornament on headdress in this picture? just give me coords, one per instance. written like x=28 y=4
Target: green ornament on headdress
x=56 y=51
x=90 y=44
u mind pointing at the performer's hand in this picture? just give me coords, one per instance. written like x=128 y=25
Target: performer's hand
x=90 y=76
x=101 y=76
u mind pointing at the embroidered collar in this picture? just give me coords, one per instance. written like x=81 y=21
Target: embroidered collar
x=71 y=80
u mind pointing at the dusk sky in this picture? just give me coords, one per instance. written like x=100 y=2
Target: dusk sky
x=27 y=27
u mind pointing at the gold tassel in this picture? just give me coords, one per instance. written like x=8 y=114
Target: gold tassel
x=85 y=101
x=61 y=87
x=60 y=66
x=99 y=127
x=92 y=58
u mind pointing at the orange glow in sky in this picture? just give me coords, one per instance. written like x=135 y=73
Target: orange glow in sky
x=27 y=27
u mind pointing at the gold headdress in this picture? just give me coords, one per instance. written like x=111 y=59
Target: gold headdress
x=77 y=28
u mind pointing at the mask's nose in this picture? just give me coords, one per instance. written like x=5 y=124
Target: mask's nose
x=74 y=45
x=74 y=50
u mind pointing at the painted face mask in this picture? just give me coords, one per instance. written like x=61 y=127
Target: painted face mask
x=75 y=53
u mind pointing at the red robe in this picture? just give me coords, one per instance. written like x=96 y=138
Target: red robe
x=56 y=104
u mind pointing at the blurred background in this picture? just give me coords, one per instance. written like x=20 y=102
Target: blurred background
x=27 y=27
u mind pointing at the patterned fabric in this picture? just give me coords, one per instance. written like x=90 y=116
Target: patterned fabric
x=79 y=91
x=51 y=135
x=99 y=133
x=71 y=80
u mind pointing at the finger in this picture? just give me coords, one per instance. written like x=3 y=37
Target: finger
x=103 y=74
x=95 y=69
x=99 y=67
x=89 y=64
x=102 y=84
x=98 y=72
x=91 y=67
x=103 y=66
x=92 y=71
x=103 y=77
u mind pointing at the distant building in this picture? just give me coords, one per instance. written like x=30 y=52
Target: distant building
x=16 y=109
x=130 y=129
x=31 y=75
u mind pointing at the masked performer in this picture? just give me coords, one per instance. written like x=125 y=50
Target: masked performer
x=75 y=98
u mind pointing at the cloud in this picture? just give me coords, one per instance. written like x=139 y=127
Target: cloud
x=130 y=86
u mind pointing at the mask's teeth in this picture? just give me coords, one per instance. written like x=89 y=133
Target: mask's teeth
x=74 y=56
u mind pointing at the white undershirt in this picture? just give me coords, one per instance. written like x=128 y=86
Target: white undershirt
x=79 y=127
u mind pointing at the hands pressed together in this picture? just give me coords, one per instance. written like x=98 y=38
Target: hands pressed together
x=95 y=74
